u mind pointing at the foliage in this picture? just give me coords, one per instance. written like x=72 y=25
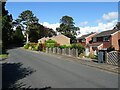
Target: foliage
x=3 y=56
x=80 y=48
x=18 y=36
x=37 y=47
x=82 y=55
x=50 y=43
x=68 y=28
x=26 y=46
x=6 y=27
x=92 y=56
x=65 y=46
x=25 y=19
x=111 y=48
x=37 y=31
x=62 y=46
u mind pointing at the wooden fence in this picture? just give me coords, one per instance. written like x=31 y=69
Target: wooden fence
x=113 y=58
x=66 y=51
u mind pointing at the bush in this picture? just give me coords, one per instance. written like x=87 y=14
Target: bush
x=111 y=48
x=80 y=48
x=36 y=47
x=26 y=46
x=50 y=45
x=50 y=41
x=92 y=56
x=62 y=46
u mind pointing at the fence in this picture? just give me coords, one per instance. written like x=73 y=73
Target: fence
x=66 y=51
x=113 y=58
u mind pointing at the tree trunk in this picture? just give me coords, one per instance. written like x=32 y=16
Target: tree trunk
x=27 y=39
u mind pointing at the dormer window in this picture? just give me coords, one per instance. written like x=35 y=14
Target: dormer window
x=106 y=38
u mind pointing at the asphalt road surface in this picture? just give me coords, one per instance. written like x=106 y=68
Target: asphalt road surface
x=27 y=69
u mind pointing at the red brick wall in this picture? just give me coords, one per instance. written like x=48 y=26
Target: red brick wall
x=80 y=41
x=115 y=39
x=83 y=43
x=107 y=44
x=100 y=39
x=89 y=38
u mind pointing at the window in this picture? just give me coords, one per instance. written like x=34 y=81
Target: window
x=106 y=38
x=94 y=39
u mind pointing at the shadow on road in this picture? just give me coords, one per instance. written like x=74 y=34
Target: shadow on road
x=12 y=72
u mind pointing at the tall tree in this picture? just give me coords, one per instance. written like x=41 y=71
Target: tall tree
x=37 y=31
x=18 y=36
x=6 y=28
x=26 y=18
x=67 y=28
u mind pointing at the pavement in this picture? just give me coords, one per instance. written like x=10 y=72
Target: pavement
x=31 y=69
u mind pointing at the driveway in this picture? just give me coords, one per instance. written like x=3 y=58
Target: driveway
x=27 y=69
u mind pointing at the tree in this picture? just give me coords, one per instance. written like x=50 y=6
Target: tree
x=26 y=18
x=37 y=31
x=68 y=28
x=6 y=28
x=18 y=36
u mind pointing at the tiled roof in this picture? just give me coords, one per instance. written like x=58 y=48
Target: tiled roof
x=86 y=35
x=106 y=33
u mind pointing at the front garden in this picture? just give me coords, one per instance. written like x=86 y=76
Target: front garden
x=53 y=46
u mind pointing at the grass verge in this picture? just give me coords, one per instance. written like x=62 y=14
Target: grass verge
x=3 y=56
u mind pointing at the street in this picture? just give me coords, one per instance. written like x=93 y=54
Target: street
x=27 y=69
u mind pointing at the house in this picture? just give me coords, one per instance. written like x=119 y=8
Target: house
x=60 y=39
x=86 y=39
x=104 y=40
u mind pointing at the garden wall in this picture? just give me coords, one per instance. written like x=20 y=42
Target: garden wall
x=66 y=51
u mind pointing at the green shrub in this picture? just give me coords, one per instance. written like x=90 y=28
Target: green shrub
x=111 y=48
x=80 y=48
x=36 y=47
x=30 y=48
x=26 y=46
x=50 y=45
x=62 y=46
x=50 y=41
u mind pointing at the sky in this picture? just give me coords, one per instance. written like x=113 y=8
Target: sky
x=89 y=16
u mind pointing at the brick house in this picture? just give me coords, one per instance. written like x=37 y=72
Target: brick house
x=86 y=39
x=60 y=39
x=104 y=40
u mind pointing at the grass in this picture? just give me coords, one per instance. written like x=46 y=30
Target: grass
x=3 y=56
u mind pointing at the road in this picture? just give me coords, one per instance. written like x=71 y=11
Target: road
x=27 y=69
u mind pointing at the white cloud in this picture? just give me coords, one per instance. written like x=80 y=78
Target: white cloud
x=100 y=27
x=84 y=23
x=53 y=26
x=110 y=16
